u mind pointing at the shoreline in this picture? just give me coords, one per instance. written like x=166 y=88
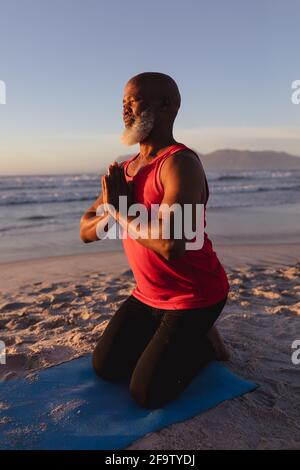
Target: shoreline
x=49 y=268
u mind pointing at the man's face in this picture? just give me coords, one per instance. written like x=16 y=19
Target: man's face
x=138 y=115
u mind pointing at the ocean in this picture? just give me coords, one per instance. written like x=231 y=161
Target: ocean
x=40 y=215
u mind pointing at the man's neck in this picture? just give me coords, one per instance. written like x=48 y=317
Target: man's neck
x=150 y=149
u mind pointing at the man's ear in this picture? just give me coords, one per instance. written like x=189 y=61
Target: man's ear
x=165 y=102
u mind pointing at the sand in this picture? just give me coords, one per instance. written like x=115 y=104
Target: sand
x=55 y=309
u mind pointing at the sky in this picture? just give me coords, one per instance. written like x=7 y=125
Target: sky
x=65 y=64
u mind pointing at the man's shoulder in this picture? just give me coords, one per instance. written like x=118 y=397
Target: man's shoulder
x=185 y=160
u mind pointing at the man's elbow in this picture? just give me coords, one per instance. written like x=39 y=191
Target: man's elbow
x=83 y=237
x=83 y=233
x=174 y=250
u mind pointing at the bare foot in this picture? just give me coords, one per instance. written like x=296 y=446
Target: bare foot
x=222 y=353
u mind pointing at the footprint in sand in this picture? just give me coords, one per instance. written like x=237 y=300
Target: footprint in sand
x=45 y=287
x=81 y=291
x=10 y=306
x=3 y=323
x=111 y=289
x=25 y=340
x=24 y=322
x=63 y=297
x=52 y=323
x=45 y=290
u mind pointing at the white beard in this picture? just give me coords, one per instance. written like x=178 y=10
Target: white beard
x=140 y=129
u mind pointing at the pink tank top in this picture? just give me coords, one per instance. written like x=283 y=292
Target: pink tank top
x=197 y=279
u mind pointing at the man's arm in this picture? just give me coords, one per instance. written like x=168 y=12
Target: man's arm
x=90 y=220
x=183 y=180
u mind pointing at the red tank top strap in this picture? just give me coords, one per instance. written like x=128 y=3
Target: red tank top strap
x=163 y=157
x=173 y=149
x=125 y=163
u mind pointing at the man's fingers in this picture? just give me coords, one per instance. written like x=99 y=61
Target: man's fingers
x=110 y=170
x=116 y=184
x=106 y=190
x=104 y=184
x=123 y=182
x=118 y=178
x=122 y=173
x=114 y=175
x=112 y=167
x=103 y=189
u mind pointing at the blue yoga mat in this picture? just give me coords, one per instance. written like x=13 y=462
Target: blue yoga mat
x=69 y=407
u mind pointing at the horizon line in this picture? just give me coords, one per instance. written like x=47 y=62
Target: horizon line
x=201 y=154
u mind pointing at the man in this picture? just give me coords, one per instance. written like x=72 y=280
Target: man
x=163 y=333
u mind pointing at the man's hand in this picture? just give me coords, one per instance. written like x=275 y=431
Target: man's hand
x=114 y=184
x=91 y=219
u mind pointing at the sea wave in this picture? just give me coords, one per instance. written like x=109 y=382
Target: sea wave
x=15 y=202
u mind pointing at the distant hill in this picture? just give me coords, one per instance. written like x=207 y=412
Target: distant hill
x=239 y=160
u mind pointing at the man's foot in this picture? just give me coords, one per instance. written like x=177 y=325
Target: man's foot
x=222 y=353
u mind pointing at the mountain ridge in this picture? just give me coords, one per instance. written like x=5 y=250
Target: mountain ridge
x=229 y=159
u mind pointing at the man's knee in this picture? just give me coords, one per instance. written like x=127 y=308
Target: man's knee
x=101 y=366
x=150 y=396
x=107 y=369
x=140 y=396
x=98 y=364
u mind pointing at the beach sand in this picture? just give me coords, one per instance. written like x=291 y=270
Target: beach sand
x=55 y=309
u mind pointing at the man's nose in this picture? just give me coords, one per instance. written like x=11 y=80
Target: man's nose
x=126 y=109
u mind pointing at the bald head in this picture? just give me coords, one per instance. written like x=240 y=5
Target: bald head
x=160 y=87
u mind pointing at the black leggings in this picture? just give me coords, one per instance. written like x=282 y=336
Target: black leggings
x=158 y=352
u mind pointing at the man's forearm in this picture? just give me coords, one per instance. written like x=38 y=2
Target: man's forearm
x=89 y=223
